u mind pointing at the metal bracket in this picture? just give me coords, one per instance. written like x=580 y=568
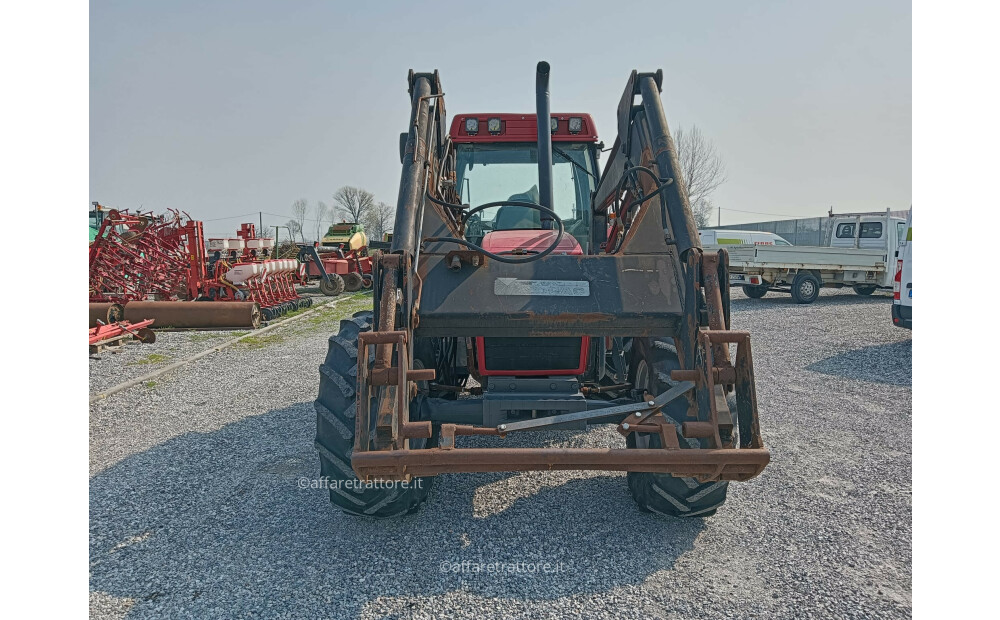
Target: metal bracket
x=455 y=258
x=642 y=411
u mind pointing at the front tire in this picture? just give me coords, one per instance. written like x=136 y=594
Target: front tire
x=335 y=426
x=662 y=493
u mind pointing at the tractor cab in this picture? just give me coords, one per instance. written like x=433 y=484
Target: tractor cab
x=496 y=160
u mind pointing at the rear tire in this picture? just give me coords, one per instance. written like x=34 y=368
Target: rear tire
x=332 y=286
x=805 y=288
x=864 y=289
x=755 y=291
x=335 y=426
x=662 y=493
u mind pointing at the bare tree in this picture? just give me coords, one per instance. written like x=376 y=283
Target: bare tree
x=379 y=220
x=352 y=203
x=322 y=212
x=294 y=228
x=299 y=210
x=703 y=170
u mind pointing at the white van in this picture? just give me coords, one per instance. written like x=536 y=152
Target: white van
x=902 y=289
x=740 y=237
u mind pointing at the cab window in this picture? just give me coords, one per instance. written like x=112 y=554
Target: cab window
x=871 y=230
x=500 y=172
x=845 y=231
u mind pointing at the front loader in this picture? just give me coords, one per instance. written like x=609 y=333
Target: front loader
x=525 y=290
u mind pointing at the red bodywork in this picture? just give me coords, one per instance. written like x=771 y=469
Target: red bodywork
x=529 y=240
x=332 y=263
x=520 y=242
x=521 y=128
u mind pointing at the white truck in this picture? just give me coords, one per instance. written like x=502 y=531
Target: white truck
x=858 y=253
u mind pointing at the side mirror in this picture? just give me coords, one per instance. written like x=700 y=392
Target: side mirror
x=402 y=145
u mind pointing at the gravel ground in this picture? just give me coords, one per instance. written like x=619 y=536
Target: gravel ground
x=197 y=511
x=110 y=368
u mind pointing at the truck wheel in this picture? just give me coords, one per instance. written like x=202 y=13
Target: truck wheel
x=653 y=359
x=805 y=288
x=864 y=289
x=755 y=291
x=335 y=425
x=332 y=287
x=353 y=282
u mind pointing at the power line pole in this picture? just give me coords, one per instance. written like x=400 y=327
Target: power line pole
x=260 y=214
x=720 y=216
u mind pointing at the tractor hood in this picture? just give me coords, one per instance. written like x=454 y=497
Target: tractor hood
x=533 y=241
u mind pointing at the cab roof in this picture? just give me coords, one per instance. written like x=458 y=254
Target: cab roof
x=520 y=128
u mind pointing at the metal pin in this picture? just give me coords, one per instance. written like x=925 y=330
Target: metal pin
x=625 y=426
x=638 y=414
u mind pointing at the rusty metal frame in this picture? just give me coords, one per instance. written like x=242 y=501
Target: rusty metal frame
x=705 y=465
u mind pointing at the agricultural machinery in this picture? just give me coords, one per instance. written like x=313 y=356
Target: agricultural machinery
x=140 y=257
x=340 y=262
x=346 y=236
x=521 y=314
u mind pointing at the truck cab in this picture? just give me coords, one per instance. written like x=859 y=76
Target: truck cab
x=870 y=232
x=867 y=231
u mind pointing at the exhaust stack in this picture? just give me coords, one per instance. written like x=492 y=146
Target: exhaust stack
x=542 y=114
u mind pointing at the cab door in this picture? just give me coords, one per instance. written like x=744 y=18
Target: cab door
x=872 y=233
x=845 y=233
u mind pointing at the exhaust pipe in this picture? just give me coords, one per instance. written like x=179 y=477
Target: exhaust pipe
x=542 y=114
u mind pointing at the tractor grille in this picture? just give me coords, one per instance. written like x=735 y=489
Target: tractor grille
x=532 y=354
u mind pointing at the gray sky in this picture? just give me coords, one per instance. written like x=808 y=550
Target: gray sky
x=227 y=108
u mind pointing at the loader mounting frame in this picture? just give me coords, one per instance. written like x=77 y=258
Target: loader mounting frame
x=427 y=287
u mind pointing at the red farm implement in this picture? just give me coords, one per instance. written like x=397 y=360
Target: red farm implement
x=337 y=269
x=113 y=335
x=139 y=257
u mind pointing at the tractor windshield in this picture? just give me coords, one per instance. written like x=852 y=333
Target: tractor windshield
x=496 y=172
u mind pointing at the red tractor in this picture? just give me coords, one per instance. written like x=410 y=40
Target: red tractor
x=520 y=314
